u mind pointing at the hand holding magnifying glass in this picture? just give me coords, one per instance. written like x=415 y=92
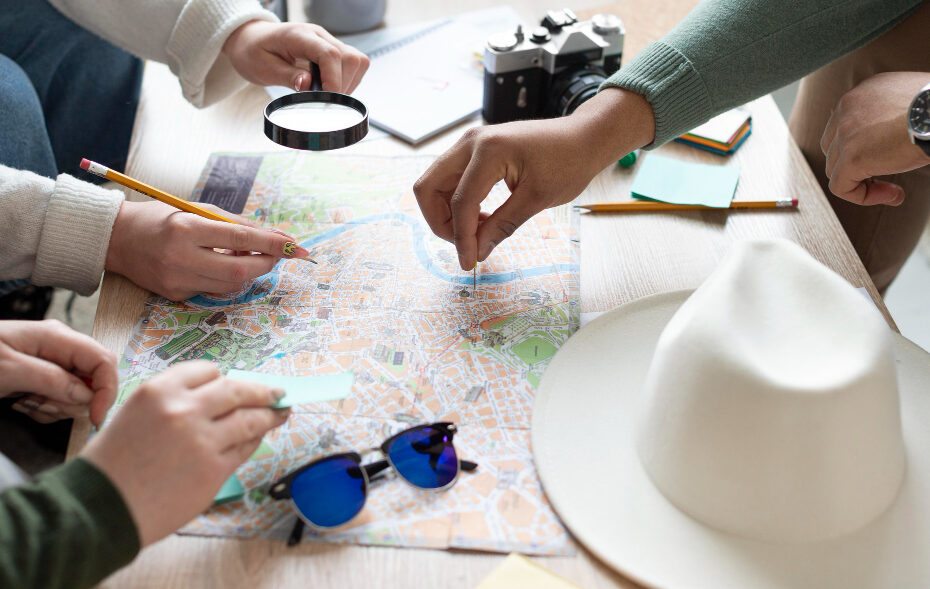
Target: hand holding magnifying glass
x=316 y=120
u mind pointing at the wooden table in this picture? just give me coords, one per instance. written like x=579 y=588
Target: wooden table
x=624 y=257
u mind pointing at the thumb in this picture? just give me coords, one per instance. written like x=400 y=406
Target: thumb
x=45 y=378
x=878 y=192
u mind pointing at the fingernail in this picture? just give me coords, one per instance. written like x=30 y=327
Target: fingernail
x=277 y=394
x=289 y=248
x=48 y=409
x=282 y=413
x=29 y=403
x=299 y=82
x=80 y=393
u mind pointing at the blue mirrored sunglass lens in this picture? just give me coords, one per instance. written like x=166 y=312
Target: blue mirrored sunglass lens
x=329 y=493
x=425 y=457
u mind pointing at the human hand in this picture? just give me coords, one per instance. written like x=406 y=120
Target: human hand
x=47 y=360
x=867 y=136
x=267 y=54
x=171 y=252
x=177 y=438
x=543 y=162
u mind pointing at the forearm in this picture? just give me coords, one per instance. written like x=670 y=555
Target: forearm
x=188 y=35
x=56 y=232
x=70 y=528
x=728 y=52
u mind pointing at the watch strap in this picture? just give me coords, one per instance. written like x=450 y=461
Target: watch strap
x=924 y=145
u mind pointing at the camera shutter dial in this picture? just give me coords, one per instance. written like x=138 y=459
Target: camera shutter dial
x=540 y=35
x=503 y=42
x=605 y=24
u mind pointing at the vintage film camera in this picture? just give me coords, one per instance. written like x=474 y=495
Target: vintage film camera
x=553 y=70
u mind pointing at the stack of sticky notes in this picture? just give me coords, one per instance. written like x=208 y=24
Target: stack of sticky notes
x=722 y=134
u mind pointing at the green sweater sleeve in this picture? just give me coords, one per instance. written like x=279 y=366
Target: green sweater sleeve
x=69 y=528
x=728 y=52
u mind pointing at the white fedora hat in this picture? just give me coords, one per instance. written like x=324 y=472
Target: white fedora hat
x=776 y=435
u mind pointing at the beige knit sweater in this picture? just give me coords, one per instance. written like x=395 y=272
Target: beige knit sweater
x=57 y=232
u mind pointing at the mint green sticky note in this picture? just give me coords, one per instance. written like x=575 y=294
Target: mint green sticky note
x=301 y=389
x=685 y=183
x=231 y=490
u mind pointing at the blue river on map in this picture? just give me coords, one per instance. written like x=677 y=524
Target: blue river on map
x=419 y=246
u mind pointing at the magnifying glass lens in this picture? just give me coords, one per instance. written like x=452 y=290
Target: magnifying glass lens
x=316 y=117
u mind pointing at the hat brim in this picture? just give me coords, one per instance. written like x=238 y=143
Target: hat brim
x=584 y=421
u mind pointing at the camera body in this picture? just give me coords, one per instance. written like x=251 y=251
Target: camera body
x=551 y=71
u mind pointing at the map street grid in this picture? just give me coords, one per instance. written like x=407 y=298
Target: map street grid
x=387 y=303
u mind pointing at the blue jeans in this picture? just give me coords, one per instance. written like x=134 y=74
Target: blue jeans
x=64 y=93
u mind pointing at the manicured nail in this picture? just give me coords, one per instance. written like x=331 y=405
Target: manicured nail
x=277 y=394
x=292 y=250
x=299 y=82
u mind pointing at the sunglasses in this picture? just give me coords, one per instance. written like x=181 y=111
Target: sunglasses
x=330 y=491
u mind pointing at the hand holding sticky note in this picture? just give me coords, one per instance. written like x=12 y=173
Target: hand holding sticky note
x=674 y=181
x=300 y=390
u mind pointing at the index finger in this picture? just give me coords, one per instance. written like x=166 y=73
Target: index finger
x=434 y=188
x=317 y=48
x=225 y=395
x=465 y=206
x=216 y=234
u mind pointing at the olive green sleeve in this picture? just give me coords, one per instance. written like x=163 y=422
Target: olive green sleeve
x=728 y=52
x=68 y=528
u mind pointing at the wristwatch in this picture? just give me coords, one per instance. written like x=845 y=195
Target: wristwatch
x=918 y=120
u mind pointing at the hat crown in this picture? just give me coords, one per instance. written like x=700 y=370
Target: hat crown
x=771 y=404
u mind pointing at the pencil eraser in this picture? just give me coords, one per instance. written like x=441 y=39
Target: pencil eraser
x=794 y=202
x=85 y=163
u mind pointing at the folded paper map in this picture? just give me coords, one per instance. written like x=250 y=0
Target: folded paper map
x=388 y=306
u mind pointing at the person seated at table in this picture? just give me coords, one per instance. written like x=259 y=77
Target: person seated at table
x=69 y=87
x=154 y=467
x=723 y=54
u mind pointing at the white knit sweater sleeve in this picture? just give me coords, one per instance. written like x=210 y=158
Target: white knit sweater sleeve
x=56 y=232
x=188 y=35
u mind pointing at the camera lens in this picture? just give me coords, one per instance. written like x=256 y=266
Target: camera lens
x=571 y=88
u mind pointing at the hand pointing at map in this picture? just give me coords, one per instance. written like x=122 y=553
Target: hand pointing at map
x=544 y=163
x=173 y=253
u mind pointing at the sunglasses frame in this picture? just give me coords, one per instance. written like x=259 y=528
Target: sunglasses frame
x=281 y=489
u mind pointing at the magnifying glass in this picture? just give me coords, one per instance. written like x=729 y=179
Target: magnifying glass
x=316 y=120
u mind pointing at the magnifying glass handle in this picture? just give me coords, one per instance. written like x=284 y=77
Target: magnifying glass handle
x=316 y=82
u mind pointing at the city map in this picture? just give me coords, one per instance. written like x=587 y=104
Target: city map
x=387 y=302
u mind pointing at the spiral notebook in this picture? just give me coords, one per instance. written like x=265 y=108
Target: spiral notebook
x=427 y=77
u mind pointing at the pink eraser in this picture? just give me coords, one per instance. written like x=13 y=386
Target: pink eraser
x=85 y=163
x=794 y=201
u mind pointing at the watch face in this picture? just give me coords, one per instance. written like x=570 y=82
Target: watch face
x=918 y=118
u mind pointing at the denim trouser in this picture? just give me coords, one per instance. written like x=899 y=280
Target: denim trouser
x=64 y=93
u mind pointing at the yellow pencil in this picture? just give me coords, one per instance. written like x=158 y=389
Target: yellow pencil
x=648 y=205
x=159 y=195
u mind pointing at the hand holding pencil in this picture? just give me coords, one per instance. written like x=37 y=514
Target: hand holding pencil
x=164 y=249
